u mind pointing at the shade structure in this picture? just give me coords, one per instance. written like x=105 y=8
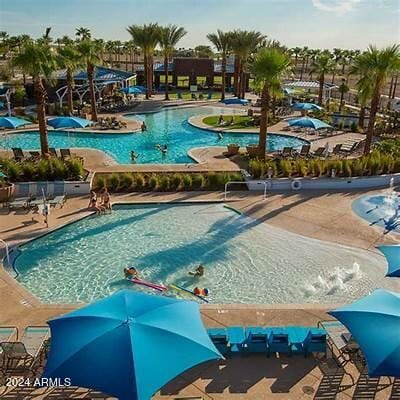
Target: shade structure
x=306 y=107
x=132 y=90
x=12 y=122
x=374 y=322
x=306 y=122
x=128 y=345
x=68 y=122
x=392 y=255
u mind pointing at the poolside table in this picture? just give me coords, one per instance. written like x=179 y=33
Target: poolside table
x=237 y=338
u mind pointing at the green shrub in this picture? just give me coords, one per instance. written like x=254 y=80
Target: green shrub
x=164 y=183
x=198 y=181
x=354 y=127
x=187 y=181
x=212 y=180
x=153 y=182
x=347 y=171
x=43 y=170
x=139 y=182
x=100 y=182
x=176 y=181
x=13 y=171
x=28 y=170
x=286 y=167
x=126 y=181
x=255 y=168
x=60 y=171
x=75 y=168
x=113 y=182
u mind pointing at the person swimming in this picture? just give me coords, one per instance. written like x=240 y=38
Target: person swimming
x=199 y=271
x=131 y=272
x=143 y=127
x=134 y=156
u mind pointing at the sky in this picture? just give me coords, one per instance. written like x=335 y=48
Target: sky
x=313 y=23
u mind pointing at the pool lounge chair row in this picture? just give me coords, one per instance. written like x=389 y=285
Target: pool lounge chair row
x=65 y=154
x=286 y=340
x=25 y=353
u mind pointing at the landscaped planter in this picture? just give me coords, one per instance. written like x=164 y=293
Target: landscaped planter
x=6 y=191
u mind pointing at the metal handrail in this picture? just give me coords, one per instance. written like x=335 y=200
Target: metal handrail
x=244 y=182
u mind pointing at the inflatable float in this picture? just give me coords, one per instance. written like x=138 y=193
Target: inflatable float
x=160 y=288
x=181 y=289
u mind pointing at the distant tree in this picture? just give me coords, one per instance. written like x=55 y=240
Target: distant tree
x=169 y=37
x=83 y=33
x=223 y=43
x=322 y=65
x=203 y=51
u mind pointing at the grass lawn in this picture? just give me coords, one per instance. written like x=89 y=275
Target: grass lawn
x=239 y=121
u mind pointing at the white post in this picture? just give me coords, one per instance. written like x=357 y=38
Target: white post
x=7 y=252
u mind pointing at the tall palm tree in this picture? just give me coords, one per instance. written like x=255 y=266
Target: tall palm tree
x=146 y=37
x=364 y=85
x=37 y=59
x=270 y=66
x=169 y=37
x=381 y=63
x=296 y=52
x=223 y=43
x=71 y=60
x=90 y=56
x=304 y=57
x=322 y=65
x=83 y=33
x=244 y=43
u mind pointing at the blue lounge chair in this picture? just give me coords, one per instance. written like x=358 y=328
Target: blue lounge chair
x=315 y=341
x=278 y=341
x=236 y=339
x=219 y=337
x=256 y=340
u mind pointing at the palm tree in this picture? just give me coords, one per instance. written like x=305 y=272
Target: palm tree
x=90 y=56
x=270 y=66
x=296 y=52
x=244 y=43
x=83 y=33
x=169 y=37
x=71 y=60
x=146 y=37
x=379 y=65
x=38 y=60
x=322 y=65
x=304 y=56
x=343 y=89
x=222 y=42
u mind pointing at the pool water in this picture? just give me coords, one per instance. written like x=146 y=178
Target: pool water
x=382 y=210
x=168 y=127
x=245 y=261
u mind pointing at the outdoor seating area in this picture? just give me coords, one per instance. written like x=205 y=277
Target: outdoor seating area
x=109 y=123
x=21 y=156
x=270 y=340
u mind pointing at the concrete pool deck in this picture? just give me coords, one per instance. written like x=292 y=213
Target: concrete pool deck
x=326 y=216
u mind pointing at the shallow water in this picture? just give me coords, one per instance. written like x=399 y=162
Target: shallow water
x=245 y=261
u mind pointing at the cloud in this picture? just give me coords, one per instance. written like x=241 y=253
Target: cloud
x=336 y=6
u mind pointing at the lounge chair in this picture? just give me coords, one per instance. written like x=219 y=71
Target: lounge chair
x=315 y=341
x=59 y=194
x=256 y=340
x=67 y=155
x=336 y=150
x=349 y=147
x=34 y=155
x=236 y=339
x=22 y=199
x=7 y=334
x=278 y=341
x=25 y=354
x=305 y=150
x=286 y=152
x=219 y=337
x=18 y=154
x=53 y=152
x=319 y=152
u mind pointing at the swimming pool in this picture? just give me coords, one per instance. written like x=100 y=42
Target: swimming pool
x=380 y=209
x=169 y=127
x=245 y=261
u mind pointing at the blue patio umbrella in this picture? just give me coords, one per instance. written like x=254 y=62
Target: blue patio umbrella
x=306 y=122
x=131 y=90
x=128 y=345
x=68 y=122
x=306 y=106
x=12 y=122
x=392 y=255
x=235 y=100
x=374 y=322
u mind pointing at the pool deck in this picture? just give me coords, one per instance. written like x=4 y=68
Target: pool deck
x=325 y=216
